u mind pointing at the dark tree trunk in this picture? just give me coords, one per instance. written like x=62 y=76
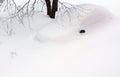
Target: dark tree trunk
x=48 y=4
x=54 y=8
x=51 y=11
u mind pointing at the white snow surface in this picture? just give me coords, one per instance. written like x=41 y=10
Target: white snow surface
x=49 y=48
x=68 y=25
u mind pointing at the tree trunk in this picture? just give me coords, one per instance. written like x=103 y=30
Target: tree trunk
x=48 y=4
x=54 y=8
x=51 y=11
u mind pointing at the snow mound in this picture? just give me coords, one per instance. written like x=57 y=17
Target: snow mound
x=97 y=14
x=68 y=24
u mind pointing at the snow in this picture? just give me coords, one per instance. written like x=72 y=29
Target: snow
x=90 y=15
x=66 y=53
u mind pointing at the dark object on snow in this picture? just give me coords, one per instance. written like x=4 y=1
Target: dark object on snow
x=82 y=31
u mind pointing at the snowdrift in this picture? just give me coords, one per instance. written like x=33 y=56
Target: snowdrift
x=68 y=24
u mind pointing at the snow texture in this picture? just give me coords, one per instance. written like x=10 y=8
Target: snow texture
x=89 y=15
x=61 y=50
